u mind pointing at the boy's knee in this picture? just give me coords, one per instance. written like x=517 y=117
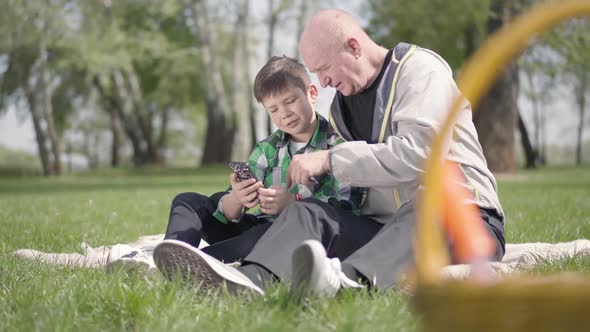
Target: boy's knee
x=187 y=198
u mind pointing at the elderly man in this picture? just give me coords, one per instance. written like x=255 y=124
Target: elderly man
x=388 y=105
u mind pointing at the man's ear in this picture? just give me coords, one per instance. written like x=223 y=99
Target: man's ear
x=312 y=93
x=354 y=47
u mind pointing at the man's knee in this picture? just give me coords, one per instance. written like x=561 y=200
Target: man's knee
x=305 y=212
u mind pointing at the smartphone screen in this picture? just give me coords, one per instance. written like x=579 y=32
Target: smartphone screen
x=242 y=170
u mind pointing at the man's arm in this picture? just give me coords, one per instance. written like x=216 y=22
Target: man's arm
x=425 y=91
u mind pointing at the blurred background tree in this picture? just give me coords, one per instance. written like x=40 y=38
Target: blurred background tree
x=454 y=29
x=139 y=83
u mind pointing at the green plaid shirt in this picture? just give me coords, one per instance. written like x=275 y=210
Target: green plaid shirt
x=271 y=158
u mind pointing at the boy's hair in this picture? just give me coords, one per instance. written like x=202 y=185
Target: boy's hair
x=279 y=74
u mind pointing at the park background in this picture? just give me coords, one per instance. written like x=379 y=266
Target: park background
x=98 y=84
x=110 y=108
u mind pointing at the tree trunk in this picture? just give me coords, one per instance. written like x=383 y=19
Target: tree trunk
x=301 y=18
x=543 y=138
x=48 y=113
x=240 y=93
x=496 y=118
x=163 y=136
x=249 y=87
x=581 y=99
x=272 y=22
x=220 y=131
x=142 y=116
x=537 y=117
x=469 y=34
x=117 y=137
x=251 y=112
x=529 y=152
x=124 y=105
x=39 y=133
x=109 y=104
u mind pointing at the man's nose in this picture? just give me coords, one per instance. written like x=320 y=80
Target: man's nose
x=324 y=80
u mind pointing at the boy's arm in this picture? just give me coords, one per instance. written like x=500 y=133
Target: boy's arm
x=230 y=206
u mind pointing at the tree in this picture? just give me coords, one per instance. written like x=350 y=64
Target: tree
x=31 y=51
x=140 y=58
x=572 y=42
x=496 y=118
x=220 y=118
x=241 y=89
x=538 y=70
x=452 y=28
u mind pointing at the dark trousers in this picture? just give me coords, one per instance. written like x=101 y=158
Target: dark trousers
x=191 y=219
x=376 y=252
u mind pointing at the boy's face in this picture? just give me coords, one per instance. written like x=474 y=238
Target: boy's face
x=292 y=111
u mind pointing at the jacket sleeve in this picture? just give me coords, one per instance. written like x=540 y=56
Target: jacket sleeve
x=424 y=93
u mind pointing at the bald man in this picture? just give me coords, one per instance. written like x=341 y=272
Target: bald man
x=388 y=105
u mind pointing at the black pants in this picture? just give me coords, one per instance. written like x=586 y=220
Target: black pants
x=374 y=251
x=191 y=219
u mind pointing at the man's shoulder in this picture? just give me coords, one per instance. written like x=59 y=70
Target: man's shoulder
x=425 y=59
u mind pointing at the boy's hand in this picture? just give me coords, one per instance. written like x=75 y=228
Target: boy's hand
x=274 y=199
x=305 y=167
x=245 y=191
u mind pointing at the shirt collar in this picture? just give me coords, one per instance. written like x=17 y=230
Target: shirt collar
x=318 y=139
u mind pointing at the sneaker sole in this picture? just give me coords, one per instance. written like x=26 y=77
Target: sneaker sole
x=175 y=258
x=303 y=281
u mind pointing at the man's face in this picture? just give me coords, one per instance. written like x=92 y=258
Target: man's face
x=337 y=68
x=292 y=111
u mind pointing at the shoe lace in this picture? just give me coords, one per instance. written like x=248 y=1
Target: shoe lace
x=338 y=278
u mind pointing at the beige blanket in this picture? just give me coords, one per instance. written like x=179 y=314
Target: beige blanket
x=518 y=256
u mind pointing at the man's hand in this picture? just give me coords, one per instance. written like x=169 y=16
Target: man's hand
x=274 y=199
x=304 y=167
x=246 y=191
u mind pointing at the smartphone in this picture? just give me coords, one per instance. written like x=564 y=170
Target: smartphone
x=242 y=169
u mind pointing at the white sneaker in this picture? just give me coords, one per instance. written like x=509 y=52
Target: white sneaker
x=136 y=261
x=314 y=274
x=199 y=269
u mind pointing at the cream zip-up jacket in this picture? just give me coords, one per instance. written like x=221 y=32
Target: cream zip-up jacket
x=413 y=100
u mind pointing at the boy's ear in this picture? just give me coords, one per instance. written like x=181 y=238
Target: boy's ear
x=312 y=92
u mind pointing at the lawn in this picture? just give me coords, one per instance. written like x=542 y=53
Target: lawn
x=118 y=206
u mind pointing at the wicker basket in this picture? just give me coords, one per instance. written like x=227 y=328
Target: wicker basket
x=558 y=302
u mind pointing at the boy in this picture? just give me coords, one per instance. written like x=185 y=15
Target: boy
x=285 y=90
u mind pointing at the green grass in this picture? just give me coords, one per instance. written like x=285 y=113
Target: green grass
x=118 y=206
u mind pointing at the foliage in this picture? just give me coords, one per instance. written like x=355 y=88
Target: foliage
x=452 y=28
x=87 y=40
